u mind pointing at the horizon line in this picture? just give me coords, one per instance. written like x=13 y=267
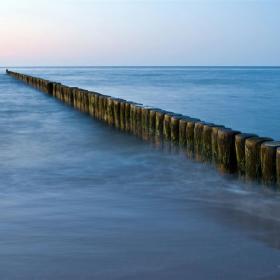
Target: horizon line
x=139 y=66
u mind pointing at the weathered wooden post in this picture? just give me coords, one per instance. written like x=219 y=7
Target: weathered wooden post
x=253 y=157
x=50 y=88
x=58 y=90
x=182 y=131
x=190 y=137
x=145 y=121
x=77 y=94
x=167 y=125
x=138 y=121
x=110 y=111
x=240 y=150
x=152 y=123
x=116 y=103
x=81 y=104
x=96 y=104
x=226 y=150
x=122 y=114
x=64 y=96
x=214 y=141
x=91 y=104
x=105 y=115
x=69 y=96
x=100 y=106
x=198 y=140
x=174 y=127
x=127 y=116
x=159 y=125
x=268 y=161
x=132 y=116
x=207 y=141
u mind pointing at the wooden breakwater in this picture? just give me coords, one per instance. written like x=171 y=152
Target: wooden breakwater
x=251 y=156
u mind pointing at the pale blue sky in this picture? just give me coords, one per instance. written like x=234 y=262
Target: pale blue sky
x=147 y=32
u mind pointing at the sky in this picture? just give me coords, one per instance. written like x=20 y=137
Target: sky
x=139 y=32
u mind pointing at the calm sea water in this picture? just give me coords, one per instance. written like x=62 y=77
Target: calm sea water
x=79 y=200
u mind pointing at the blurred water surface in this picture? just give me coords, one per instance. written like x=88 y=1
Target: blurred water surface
x=80 y=200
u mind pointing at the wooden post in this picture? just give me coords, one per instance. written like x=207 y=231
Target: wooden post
x=145 y=121
x=182 y=131
x=91 y=103
x=105 y=108
x=207 y=153
x=127 y=116
x=116 y=103
x=85 y=101
x=159 y=124
x=152 y=123
x=110 y=111
x=122 y=114
x=174 y=127
x=268 y=161
x=138 y=120
x=226 y=150
x=253 y=157
x=167 y=125
x=190 y=137
x=198 y=140
x=132 y=117
x=50 y=88
x=240 y=150
x=214 y=141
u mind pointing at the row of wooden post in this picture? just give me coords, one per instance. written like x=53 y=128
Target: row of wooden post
x=249 y=155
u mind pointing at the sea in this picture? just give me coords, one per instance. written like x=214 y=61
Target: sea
x=81 y=200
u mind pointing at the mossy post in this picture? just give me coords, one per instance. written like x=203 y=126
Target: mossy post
x=132 y=116
x=253 y=157
x=116 y=104
x=167 y=125
x=101 y=107
x=110 y=111
x=96 y=106
x=127 y=116
x=226 y=150
x=91 y=104
x=240 y=151
x=198 y=140
x=152 y=123
x=85 y=101
x=268 y=162
x=145 y=121
x=174 y=127
x=138 y=120
x=122 y=114
x=207 y=154
x=182 y=131
x=214 y=142
x=190 y=137
x=159 y=124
